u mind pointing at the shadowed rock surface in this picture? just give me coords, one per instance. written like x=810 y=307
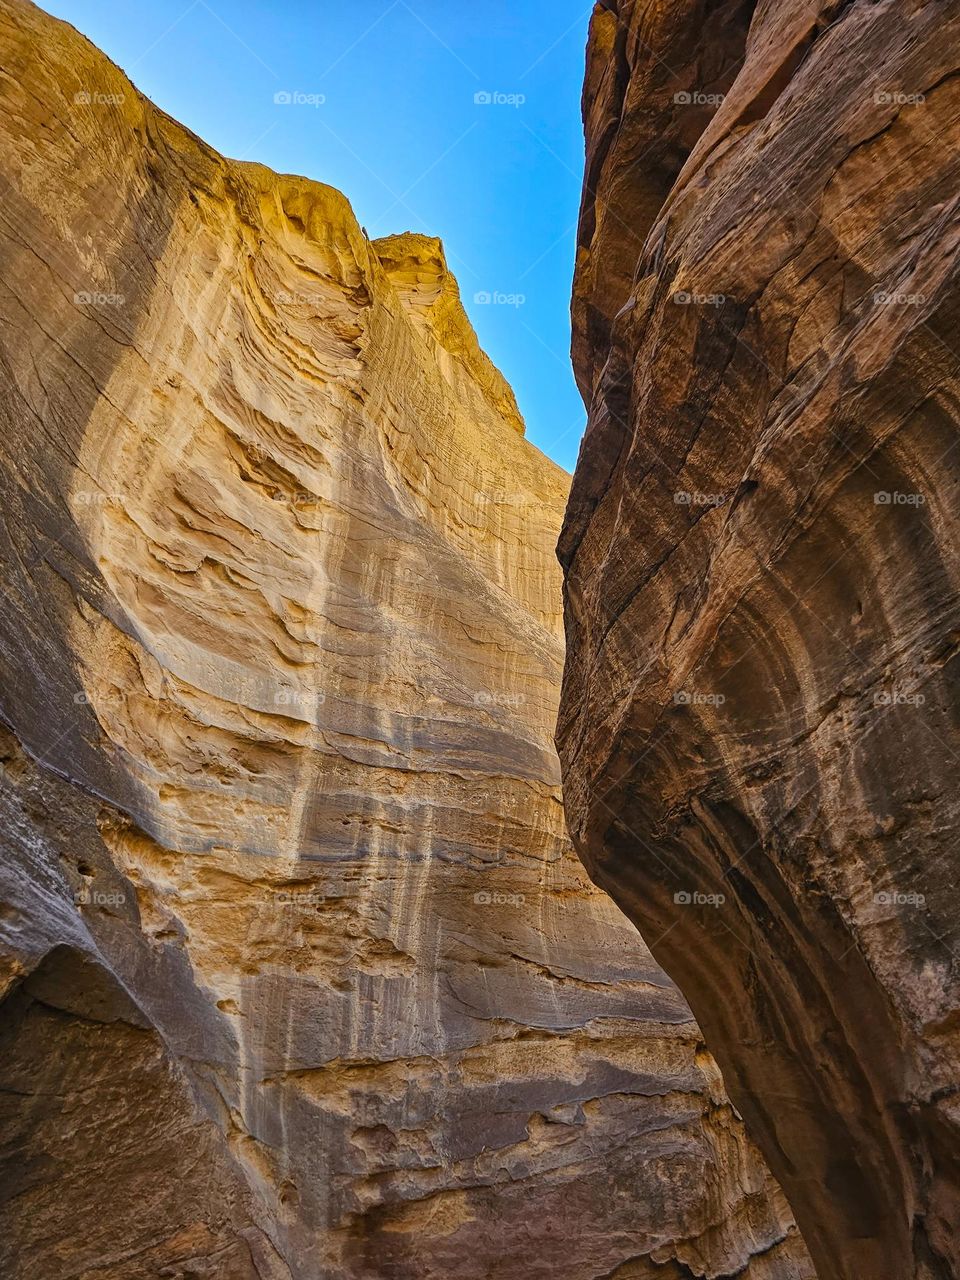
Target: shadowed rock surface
x=303 y=980
x=759 y=718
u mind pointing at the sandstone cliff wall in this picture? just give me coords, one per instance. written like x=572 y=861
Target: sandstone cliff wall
x=303 y=977
x=760 y=700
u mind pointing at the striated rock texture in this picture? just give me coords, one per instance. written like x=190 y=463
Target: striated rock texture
x=759 y=721
x=303 y=980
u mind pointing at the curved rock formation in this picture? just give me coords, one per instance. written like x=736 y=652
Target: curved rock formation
x=304 y=979
x=759 y=720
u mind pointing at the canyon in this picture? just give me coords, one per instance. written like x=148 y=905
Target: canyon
x=758 y=726
x=301 y=978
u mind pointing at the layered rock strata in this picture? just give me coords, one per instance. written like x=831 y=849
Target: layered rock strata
x=759 y=719
x=302 y=977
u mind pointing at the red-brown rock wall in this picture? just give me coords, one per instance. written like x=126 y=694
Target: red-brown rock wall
x=759 y=723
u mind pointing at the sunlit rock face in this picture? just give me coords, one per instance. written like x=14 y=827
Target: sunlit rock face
x=303 y=981
x=760 y=702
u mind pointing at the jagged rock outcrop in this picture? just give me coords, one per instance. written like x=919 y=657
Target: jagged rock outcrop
x=759 y=720
x=302 y=977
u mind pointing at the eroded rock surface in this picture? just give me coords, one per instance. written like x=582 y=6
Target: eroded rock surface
x=304 y=981
x=759 y=721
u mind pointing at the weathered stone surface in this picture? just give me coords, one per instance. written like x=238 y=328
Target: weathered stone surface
x=760 y=700
x=304 y=980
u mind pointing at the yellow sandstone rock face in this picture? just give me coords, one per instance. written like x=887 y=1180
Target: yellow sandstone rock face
x=302 y=977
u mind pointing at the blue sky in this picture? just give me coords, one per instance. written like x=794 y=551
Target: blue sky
x=401 y=134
